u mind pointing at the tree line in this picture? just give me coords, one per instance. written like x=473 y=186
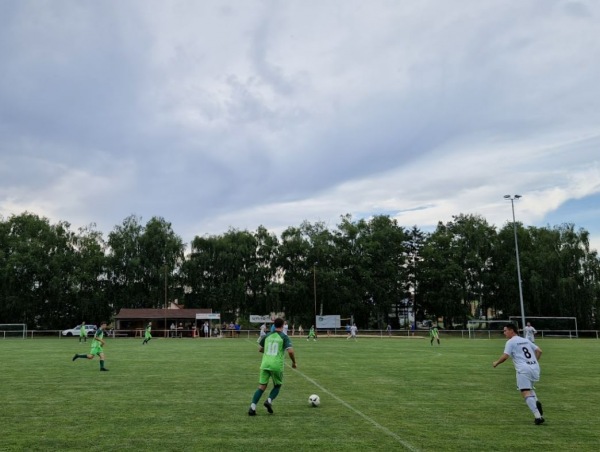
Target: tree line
x=373 y=271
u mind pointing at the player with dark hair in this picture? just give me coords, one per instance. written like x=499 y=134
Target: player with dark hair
x=525 y=355
x=97 y=347
x=273 y=346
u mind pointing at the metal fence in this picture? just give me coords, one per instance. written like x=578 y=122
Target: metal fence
x=321 y=334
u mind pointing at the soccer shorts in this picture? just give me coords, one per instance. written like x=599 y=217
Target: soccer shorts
x=277 y=377
x=526 y=378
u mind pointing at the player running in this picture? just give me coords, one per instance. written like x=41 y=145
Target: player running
x=525 y=355
x=97 y=347
x=147 y=333
x=273 y=346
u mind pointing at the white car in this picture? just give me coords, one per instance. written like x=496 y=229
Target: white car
x=90 y=330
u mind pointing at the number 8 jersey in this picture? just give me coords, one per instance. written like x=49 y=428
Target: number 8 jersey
x=522 y=352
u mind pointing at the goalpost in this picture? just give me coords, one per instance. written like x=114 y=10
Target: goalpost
x=13 y=330
x=554 y=326
x=481 y=328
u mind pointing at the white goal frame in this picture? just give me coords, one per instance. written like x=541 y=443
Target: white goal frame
x=22 y=327
x=516 y=319
x=471 y=326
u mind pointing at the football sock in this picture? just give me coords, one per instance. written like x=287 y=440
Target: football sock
x=82 y=356
x=274 y=393
x=101 y=364
x=534 y=395
x=257 y=395
x=532 y=406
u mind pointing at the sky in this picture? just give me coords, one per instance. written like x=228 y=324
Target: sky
x=223 y=114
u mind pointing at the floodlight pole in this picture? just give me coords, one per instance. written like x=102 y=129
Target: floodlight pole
x=315 y=291
x=512 y=203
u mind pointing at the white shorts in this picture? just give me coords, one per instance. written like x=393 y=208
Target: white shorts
x=526 y=378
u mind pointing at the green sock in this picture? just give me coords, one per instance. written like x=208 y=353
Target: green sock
x=274 y=392
x=101 y=364
x=257 y=395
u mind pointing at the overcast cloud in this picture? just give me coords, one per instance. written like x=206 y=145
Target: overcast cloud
x=219 y=114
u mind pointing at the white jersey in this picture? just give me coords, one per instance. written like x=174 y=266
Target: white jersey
x=522 y=352
x=529 y=333
x=353 y=330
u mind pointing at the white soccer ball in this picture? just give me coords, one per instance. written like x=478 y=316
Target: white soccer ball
x=314 y=400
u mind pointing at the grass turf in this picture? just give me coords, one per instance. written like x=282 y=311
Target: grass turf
x=376 y=394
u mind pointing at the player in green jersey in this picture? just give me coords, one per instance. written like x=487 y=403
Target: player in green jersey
x=97 y=347
x=434 y=334
x=82 y=332
x=311 y=333
x=273 y=346
x=147 y=334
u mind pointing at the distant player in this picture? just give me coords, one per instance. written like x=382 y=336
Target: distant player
x=147 y=333
x=82 y=332
x=273 y=346
x=434 y=334
x=530 y=332
x=525 y=355
x=97 y=347
x=311 y=333
x=353 y=330
x=263 y=332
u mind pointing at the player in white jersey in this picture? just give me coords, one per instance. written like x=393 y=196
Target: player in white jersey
x=285 y=328
x=353 y=330
x=263 y=332
x=530 y=332
x=525 y=355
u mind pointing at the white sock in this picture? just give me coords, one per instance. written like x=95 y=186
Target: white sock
x=253 y=406
x=530 y=401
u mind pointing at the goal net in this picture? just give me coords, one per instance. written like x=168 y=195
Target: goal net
x=550 y=326
x=10 y=330
x=485 y=329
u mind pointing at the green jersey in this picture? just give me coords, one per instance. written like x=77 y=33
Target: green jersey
x=148 y=331
x=82 y=331
x=274 y=344
x=433 y=332
x=96 y=343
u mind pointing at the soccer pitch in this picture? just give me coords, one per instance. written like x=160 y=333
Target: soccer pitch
x=376 y=394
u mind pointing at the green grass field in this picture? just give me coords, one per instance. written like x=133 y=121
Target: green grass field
x=376 y=394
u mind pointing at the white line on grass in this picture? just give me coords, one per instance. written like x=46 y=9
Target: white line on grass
x=361 y=414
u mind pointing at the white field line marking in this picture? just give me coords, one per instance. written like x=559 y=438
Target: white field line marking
x=364 y=416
